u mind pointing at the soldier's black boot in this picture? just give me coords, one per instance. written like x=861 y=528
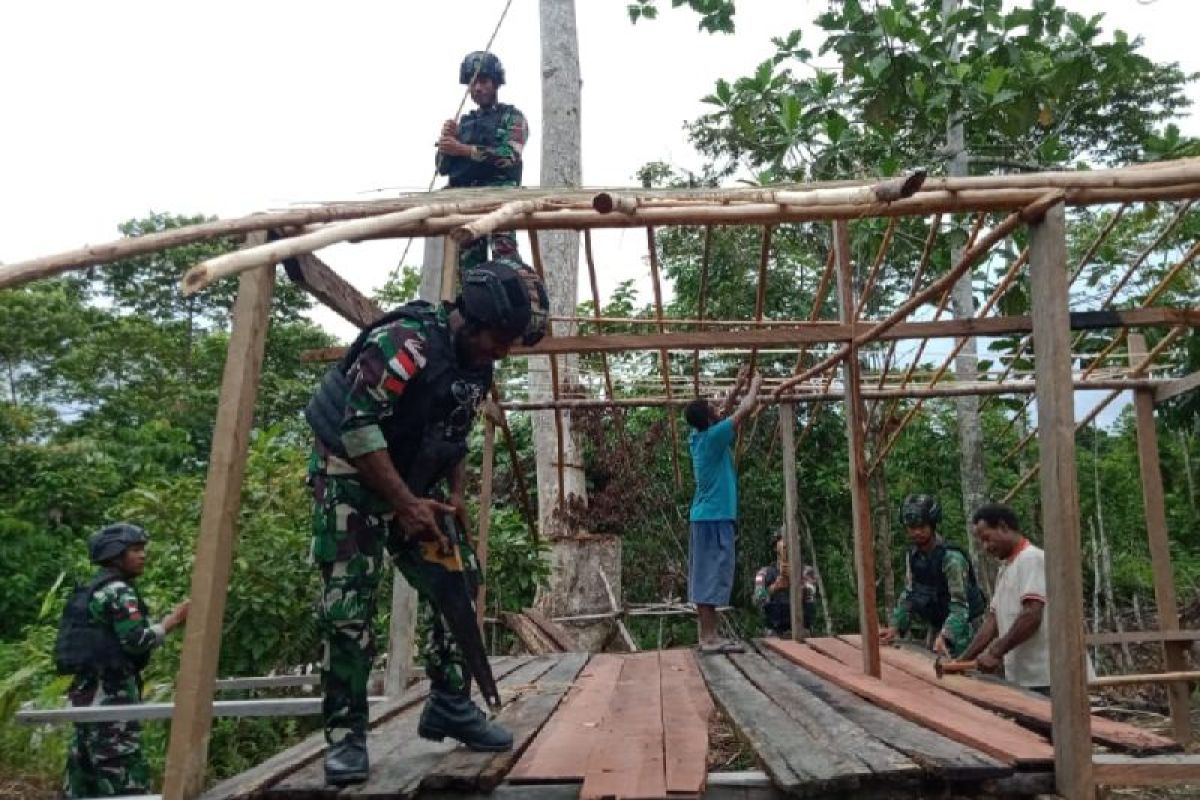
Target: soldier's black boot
x=456 y=716
x=346 y=762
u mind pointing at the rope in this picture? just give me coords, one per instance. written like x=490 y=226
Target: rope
x=487 y=48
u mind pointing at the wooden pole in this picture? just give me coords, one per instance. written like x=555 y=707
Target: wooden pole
x=760 y=294
x=662 y=353
x=701 y=301
x=1174 y=653
x=860 y=501
x=1060 y=507
x=187 y=753
x=485 y=512
x=791 y=504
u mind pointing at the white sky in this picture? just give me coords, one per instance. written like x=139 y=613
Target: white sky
x=111 y=110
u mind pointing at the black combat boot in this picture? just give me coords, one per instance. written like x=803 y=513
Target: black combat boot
x=456 y=716
x=346 y=762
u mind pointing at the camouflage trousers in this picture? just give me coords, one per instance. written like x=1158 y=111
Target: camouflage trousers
x=503 y=244
x=352 y=531
x=105 y=759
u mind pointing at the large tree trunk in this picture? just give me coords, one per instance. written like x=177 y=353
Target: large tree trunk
x=966 y=365
x=576 y=556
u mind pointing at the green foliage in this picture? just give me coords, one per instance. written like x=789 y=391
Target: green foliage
x=716 y=16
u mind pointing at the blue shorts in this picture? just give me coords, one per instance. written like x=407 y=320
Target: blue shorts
x=710 y=562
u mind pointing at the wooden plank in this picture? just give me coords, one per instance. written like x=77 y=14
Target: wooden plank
x=399 y=757
x=318 y=279
x=187 y=754
x=1028 y=708
x=1169 y=391
x=627 y=760
x=937 y=754
x=824 y=723
x=557 y=633
x=1181 y=678
x=273 y=707
x=561 y=749
x=797 y=762
x=530 y=635
x=1154 y=503
x=1060 y=504
x=923 y=704
x=524 y=717
x=860 y=499
x=1142 y=637
x=791 y=503
x=1118 y=770
x=686 y=710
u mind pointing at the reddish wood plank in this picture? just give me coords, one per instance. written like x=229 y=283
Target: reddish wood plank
x=627 y=759
x=687 y=707
x=1028 y=708
x=561 y=750
x=926 y=705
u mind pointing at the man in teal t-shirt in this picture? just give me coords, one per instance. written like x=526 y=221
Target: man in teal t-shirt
x=714 y=507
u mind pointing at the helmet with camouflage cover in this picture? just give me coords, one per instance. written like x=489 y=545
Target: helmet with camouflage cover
x=481 y=64
x=920 y=509
x=506 y=295
x=110 y=542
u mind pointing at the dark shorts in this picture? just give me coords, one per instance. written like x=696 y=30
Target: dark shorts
x=710 y=562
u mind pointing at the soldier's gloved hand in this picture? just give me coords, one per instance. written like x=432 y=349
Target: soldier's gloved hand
x=419 y=520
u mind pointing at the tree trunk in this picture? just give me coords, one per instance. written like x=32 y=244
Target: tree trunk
x=970 y=427
x=811 y=550
x=576 y=557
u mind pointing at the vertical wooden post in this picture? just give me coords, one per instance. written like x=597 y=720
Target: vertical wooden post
x=1060 y=506
x=1174 y=655
x=663 y=357
x=449 y=268
x=485 y=513
x=791 y=502
x=860 y=501
x=187 y=754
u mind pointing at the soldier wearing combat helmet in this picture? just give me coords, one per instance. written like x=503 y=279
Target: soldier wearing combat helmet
x=104 y=641
x=484 y=149
x=388 y=473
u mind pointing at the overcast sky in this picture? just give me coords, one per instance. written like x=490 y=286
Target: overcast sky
x=111 y=110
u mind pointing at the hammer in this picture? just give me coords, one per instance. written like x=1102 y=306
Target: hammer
x=941 y=668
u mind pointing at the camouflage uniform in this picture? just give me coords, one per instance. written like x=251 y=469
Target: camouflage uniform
x=105 y=759
x=503 y=157
x=957 y=630
x=353 y=526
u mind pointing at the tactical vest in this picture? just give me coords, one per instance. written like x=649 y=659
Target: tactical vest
x=929 y=597
x=481 y=127
x=426 y=432
x=87 y=646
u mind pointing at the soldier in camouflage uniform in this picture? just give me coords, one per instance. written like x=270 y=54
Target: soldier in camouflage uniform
x=484 y=149
x=105 y=640
x=391 y=423
x=940 y=593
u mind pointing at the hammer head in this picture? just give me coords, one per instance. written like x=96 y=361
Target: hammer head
x=937 y=668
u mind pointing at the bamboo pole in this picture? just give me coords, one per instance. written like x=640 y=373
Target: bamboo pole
x=873 y=275
x=482 y=226
x=664 y=358
x=213 y=269
x=760 y=294
x=981 y=389
x=704 y=261
x=560 y=444
x=921 y=204
x=486 y=480
x=608 y=382
x=514 y=457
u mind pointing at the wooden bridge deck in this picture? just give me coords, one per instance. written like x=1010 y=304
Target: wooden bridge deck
x=636 y=726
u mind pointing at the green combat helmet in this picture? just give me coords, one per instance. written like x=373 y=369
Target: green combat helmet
x=920 y=509
x=481 y=64
x=111 y=541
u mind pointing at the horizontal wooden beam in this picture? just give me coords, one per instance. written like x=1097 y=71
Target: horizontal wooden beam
x=1111 y=769
x=808 y=333
x=1142 y=637
x=1186 y=676
x=1188 y=383
x=941 y=390
x=282 y=707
